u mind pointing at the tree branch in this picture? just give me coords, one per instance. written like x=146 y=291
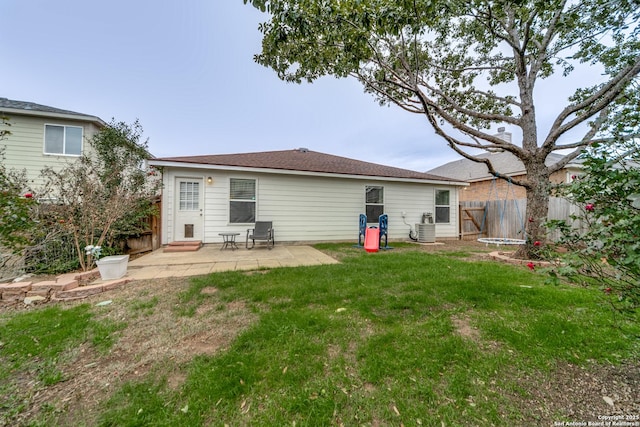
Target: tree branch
x=495 y=141
x=546 y=41
x=455 y=144
x=594 y=103
x=586 y=139
x=472 y=113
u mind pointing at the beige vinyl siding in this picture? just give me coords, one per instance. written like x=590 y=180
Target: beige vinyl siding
x=309 y=208
x=25 y=145
x=306 y=208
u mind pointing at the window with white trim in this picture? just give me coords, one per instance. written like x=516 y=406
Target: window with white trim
x=189 y=195
x=63 y=140
x=374 y=202
x=242 y=201
x=443 y=206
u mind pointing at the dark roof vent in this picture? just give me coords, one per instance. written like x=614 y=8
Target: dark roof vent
x=303 y=149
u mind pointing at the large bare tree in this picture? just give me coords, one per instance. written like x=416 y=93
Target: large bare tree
x=469 y=65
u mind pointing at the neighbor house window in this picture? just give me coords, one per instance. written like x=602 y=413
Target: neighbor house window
x=63 y=140
x=374 y=202
x=242 y=201
x=443 y=208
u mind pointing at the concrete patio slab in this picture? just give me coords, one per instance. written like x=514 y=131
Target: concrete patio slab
x=210 y=259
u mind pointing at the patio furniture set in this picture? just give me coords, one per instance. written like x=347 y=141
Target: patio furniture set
x=262 y=231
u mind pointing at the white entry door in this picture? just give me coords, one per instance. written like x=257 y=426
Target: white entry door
x=189 y=222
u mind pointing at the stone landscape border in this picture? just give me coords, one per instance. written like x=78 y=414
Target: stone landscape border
x=66 y=287
x=508 y=258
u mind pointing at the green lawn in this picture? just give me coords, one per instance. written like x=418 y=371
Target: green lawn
x=396 y=337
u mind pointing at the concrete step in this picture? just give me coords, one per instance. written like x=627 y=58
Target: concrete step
x=183 y=246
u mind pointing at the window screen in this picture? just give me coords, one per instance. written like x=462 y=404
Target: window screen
x=242 y=201
x=374 y=203
x=443 y=208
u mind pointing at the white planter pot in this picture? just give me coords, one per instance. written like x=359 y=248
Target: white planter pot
x=113 y=267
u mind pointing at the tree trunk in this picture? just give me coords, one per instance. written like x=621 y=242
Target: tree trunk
x=536 y=213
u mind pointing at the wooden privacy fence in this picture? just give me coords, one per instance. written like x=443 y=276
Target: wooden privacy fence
x=505 y=218
x=149 y=239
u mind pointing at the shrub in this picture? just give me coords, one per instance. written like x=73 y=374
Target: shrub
x=603 y=242
x=105 y=193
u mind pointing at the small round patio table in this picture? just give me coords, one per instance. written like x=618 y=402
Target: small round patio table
x=229 y=240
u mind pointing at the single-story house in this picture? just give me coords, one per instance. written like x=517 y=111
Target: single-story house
x=43 y=136
x=309 y=196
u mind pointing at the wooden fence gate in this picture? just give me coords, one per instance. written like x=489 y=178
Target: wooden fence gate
x=471 y=221
x=149 y=240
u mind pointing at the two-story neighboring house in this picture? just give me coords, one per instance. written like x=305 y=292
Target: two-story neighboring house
x=483 y=186
x=491 y=207
x=43 y=136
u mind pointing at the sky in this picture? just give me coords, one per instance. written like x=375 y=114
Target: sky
x=185 y=70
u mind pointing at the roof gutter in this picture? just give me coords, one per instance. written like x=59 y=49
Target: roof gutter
x=35 y=113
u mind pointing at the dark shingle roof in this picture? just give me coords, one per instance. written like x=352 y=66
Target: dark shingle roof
x=27 y=107
x=306 y=161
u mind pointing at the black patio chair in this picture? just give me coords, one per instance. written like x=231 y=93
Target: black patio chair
x=263 y=230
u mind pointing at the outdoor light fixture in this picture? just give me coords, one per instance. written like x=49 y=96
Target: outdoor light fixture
x=209 y=180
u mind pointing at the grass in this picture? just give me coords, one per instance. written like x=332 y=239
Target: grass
x=145 y=307
x=373 y=341
x=38 y=341
x=396 y=337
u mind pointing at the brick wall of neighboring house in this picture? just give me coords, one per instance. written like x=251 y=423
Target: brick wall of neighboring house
x=485 y=190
